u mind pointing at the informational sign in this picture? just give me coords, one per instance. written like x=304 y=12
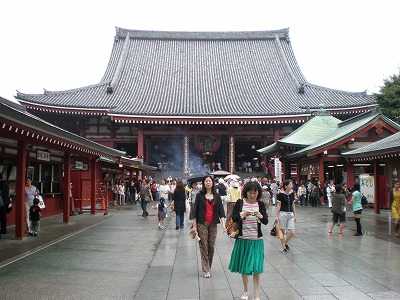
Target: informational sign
x=278 y=169
x=367 y=187
x=78 y=165
x=42 y=155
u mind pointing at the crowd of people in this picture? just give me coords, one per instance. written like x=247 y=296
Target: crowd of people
x=214 y=202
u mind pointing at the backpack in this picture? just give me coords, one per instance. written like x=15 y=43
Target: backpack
x=364 y=200
x=161 y=206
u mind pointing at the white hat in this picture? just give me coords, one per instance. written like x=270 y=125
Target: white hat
x=265 y=187
x=221 y=180
x=235 y=184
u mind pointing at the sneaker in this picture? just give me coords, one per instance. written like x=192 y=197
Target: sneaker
x=287 y=247
x=284 y=250
x=35 y=234
x=329 y=232
x=30 y=233
x=357 y=234
x=162 y=227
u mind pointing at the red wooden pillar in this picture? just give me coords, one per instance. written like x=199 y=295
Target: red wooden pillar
x=66 y=185
x=350 y=174
x=377 y=200
x=276 y=134
x=298 y=177
x=140 y=143
x=20 y=191
x=93 y=187
x=321 y=177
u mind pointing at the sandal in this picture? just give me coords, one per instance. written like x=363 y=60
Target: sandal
x=245 y=296
x=329 y=232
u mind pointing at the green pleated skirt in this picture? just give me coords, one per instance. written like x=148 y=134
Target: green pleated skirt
x=247 y=257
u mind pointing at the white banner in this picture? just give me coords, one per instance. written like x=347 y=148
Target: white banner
x=367 y=187
x=278 y=169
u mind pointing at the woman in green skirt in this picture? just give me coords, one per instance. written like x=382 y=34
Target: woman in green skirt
x=248 y=253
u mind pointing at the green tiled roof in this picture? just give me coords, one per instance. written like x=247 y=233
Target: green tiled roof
x=324 y=130
x=390 y=144
x=321 y=125
x=345 y=129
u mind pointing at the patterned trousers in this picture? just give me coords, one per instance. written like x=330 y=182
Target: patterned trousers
x=208 y=233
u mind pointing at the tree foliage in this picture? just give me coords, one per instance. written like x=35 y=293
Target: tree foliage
x=389 y=98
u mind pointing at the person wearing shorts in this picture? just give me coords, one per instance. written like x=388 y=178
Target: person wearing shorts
x=357 y=208
x=286 y=213
x=338 y=209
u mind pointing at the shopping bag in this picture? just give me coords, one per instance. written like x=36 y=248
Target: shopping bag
x=41 y=202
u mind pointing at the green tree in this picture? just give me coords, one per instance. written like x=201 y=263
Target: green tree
x=389 y=98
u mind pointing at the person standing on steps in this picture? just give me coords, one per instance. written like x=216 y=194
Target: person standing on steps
x=208 y=212
x=357 y=208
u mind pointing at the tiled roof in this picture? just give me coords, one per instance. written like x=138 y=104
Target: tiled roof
x=345 y=129
x=201 y=74
x=316 y=128
x=388 y=145
x=29 y=125
x=323 y=130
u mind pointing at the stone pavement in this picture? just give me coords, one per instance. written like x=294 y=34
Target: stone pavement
x=122 y=256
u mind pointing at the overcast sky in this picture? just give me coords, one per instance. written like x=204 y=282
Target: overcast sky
x=350 y=45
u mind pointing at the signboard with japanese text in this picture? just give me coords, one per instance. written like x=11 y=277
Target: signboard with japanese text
x=278 y=169
x=42 y=155
x=367 y=186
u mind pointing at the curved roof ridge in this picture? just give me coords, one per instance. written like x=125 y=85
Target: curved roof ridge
x=121 y=64
x=363 y=93
x=295 y=82
x=49 y=93
x=203 y=35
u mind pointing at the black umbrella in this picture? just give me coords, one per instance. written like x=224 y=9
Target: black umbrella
x=196 y=177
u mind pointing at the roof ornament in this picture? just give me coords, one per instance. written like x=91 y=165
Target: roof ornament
x=109 y=89
x=301 y=88
x=322 y=111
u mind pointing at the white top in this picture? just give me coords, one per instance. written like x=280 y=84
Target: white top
x=121 y=188
x=30 y=194
x=164 y=191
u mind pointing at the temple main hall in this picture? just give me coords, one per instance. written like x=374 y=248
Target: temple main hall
x=182 y=100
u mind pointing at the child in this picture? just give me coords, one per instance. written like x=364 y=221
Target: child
x=161 y=207
x=34 y=217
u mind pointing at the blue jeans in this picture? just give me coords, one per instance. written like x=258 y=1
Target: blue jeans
x=180 y=217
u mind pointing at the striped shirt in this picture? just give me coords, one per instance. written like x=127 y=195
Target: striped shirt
x=250 y=224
